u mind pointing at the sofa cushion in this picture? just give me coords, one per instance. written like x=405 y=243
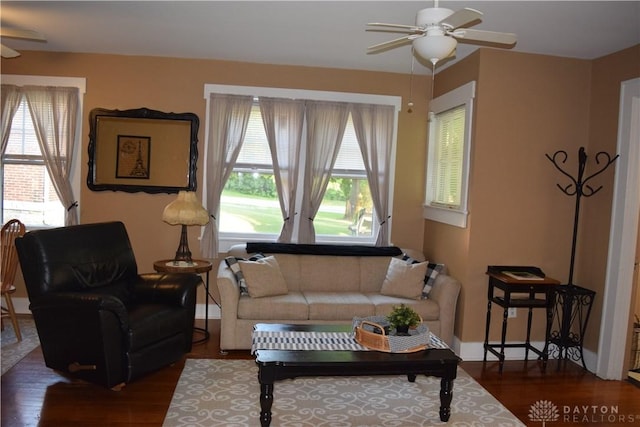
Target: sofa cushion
x=232 y=263
x=427 y=309
x=290 y=268
x=433 y=270
x=338 y=305
x=263 y=277
x=372 y=273
x=292 y=306
x=404 y=279
x=327 y=273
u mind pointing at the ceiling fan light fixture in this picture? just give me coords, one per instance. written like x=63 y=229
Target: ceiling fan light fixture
x=435 y=47
x=432 y=16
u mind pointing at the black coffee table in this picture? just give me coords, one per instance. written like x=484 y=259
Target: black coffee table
x=274 y=365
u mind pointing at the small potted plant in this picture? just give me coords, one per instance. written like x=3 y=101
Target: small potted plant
x=402 y=318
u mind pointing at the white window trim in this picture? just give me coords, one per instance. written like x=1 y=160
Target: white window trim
x=81 y=84
x=229 y=239
x=463 y=95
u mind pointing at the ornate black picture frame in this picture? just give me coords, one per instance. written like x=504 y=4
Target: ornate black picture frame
x=142 y=150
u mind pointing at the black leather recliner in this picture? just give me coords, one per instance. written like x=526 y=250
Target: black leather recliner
x=96 y=316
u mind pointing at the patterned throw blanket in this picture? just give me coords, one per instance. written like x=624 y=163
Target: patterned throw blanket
x=293 y=340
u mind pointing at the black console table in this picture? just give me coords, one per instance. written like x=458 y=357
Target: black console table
x=571 y=314
x=519 y=293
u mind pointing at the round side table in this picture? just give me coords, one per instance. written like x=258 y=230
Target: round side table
x=198 y=266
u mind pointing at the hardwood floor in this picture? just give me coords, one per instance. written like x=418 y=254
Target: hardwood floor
x=33 y=395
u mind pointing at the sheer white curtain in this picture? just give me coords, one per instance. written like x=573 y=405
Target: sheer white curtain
x=283 y=120
x=326 y=122
x=374 y=131
x=228 y=119
x=54 y=111
x=11 y=98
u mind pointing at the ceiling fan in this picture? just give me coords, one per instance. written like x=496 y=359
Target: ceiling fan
x=16 y=33
x=437 y=31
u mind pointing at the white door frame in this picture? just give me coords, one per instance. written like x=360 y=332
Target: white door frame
x=623 y=237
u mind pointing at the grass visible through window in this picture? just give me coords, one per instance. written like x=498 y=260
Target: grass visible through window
x=241 y=213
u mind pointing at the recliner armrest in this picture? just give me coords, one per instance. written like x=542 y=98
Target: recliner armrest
x=167 y=288
x=70 y=300
x=78 y=302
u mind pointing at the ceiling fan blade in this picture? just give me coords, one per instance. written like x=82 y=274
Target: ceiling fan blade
x=388 y=44
x=466 y=34
x=461 y=17
x=16 y=33
x=7 y=52
x=408 y=28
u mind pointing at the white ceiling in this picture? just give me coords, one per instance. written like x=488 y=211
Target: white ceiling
x=310 y=33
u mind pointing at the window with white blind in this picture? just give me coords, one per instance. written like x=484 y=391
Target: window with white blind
x=448 y=156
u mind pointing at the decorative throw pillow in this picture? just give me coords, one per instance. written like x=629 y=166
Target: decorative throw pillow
x=263 y=277
x=232 y=263
x=404 y=279
x=433 y=270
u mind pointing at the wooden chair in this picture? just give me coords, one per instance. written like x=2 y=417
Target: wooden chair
x=8 y=234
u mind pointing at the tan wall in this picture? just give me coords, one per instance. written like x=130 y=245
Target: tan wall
x=528 y=106
x=445 y=243
x=177 y=85
x=595 y=221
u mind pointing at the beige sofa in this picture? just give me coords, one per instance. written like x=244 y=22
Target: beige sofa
x=325 y=289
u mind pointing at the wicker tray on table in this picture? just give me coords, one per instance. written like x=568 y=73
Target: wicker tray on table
x=370 y=332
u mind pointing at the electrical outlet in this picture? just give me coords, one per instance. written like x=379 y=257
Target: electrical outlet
x=513 y=312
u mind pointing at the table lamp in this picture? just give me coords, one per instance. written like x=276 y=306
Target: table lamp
x=185 y=210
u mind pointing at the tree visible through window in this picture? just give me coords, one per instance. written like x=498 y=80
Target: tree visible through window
x=250 y=205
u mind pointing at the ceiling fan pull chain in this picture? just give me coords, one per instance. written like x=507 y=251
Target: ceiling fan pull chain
x=410 y=103
x=433 y=77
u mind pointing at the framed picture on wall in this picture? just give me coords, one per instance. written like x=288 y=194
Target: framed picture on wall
x=133 y=158
x=142 y=150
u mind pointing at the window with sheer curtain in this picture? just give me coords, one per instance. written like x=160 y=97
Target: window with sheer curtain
x=41 y=124
x=263 y=200
x=27 y=191
x=448 y=156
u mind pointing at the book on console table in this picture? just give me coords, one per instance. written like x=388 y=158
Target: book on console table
x=522 y=275
x=516 y=272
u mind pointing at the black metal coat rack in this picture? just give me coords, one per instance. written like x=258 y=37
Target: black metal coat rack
x=573 y=303
x=578 y=187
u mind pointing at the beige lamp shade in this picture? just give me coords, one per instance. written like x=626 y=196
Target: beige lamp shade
x=185 y=210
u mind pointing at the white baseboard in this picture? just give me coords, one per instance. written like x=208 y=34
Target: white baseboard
x=22 y=307
x=474 y=351
x=214 y=311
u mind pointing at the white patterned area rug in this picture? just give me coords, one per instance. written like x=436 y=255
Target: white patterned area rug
x=13 y=351
x=226 y=393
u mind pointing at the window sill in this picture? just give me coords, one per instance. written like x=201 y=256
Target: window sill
x=455 y=217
